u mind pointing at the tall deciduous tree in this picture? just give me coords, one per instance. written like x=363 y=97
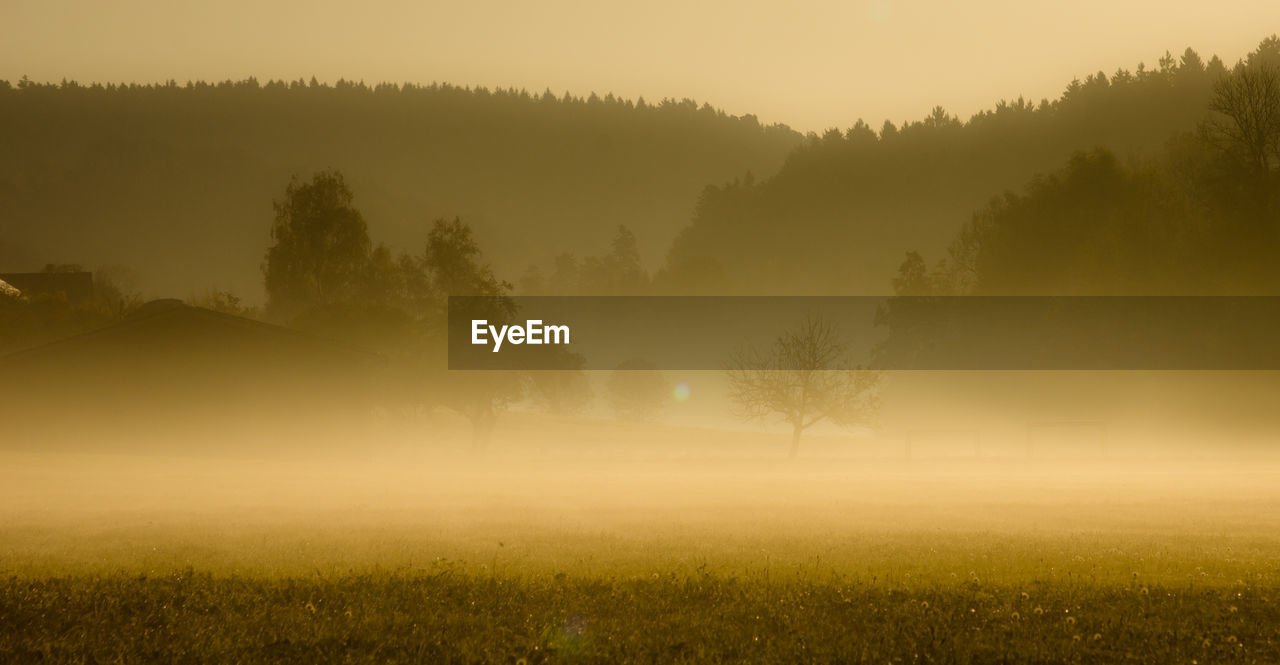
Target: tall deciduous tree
x=320 y=245
x=1247 y=102
x=453 y=264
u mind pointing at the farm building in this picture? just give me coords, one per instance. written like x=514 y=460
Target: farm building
x=75 y=285
x=8 y=290
x=173 y=370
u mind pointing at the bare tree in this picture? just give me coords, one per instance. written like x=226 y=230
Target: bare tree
x=1247 y=127
x=806 y=378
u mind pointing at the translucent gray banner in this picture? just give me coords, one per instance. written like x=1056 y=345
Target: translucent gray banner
x=891 y=333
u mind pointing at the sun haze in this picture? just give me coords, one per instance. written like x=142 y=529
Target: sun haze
x=811 y=64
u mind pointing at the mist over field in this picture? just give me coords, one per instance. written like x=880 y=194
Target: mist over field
x=1013 y=401
x=559 y=511
x=559 y=552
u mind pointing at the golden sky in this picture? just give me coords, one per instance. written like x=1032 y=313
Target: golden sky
x=809 y=63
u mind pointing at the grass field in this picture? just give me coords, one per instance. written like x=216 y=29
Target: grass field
x=460 y=618
x=146 y=559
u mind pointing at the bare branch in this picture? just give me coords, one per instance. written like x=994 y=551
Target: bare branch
x=805 y=378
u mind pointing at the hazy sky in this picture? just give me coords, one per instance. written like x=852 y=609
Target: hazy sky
x=811 y=63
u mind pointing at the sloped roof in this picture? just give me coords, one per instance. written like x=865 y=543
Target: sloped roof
x=170 y=328
x=178 y=375
x=76 y=286
x=8 y=290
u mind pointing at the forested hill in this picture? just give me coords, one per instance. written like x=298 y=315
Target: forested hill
x=846 y=207
x=176 y=182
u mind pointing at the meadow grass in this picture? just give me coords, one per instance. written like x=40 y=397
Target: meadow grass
x=223 y=562
x=187 y=616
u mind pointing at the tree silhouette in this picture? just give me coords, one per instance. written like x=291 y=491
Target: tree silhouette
x=617 y=273
x=453 y=263
x=320 y=245
x=622 y=265
x=844 y=207
x=1248 y=127
x=1195 y=220
x=453 y=260
x=806 y=378
x=127 y=156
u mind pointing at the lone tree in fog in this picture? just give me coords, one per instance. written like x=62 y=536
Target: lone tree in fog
x=806 y=378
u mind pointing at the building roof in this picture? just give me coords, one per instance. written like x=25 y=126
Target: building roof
x=172 y=329
x=177 y=375
x=75 y=286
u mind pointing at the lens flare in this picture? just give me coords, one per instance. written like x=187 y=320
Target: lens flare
x=682 y=391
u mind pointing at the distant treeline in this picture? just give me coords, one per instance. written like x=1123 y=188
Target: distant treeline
x=1159 y=197
x=176 y=180
x=1160 y=181
x=1155 y=180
